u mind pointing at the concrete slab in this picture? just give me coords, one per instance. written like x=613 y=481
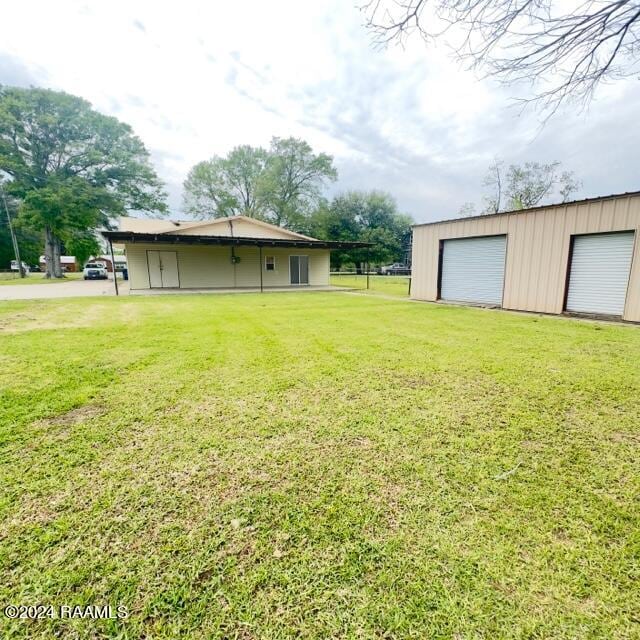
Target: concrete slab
x=160 y=292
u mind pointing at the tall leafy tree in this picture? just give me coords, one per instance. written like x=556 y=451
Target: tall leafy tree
x=72 y=168
x=245 y=167
x=291 y=186
x=221 y=187
x=367 y=217
x=282 y=185
x=82 y=245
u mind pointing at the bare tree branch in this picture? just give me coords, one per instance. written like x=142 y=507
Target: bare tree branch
x=564 y=53
x=527 y=185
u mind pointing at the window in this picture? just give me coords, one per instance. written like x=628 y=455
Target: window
x=269 y=263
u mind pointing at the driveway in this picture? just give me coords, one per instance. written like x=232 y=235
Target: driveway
x=70 y=289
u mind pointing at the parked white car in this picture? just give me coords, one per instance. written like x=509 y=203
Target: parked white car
x=95 y=271
x=14 y=266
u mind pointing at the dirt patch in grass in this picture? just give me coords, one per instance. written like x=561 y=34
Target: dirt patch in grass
x=49 y=432
x=77 y=415
x=632 y=439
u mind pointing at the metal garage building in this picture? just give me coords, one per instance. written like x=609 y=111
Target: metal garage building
x=577 y=257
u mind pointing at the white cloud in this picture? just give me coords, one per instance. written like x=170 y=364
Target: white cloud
x=197 y=78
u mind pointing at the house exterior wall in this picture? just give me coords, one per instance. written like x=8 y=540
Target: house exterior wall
x=68 y=266
x=537 y=256
x=203 y=267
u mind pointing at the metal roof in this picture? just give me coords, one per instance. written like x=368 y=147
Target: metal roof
x=63 y=259
x=168 y=238
x=626 y=194
x=161 y=225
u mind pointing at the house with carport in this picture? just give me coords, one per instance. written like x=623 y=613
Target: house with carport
x=225 y=253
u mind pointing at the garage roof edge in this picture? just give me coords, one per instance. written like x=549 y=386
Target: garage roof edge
x=626 y=194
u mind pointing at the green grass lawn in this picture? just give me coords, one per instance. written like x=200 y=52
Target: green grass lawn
x=318 y=465
x=36 y=278
x=389 y=285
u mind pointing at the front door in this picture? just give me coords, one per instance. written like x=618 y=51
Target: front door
x=163 y=269
x=299 y=269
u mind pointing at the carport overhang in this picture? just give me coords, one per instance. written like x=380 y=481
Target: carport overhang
x=229 y=241
x=180 y=239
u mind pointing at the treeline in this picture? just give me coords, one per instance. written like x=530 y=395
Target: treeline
x=67 y=171
x=285 y=185
x=370 y=216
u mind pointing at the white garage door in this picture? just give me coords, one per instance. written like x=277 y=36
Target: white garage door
x=599 y=274
x=473 y=269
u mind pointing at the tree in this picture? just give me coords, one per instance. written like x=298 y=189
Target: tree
x=524 y=186
x=222 y=187
x=337 y=221
x=281 y=185
x=493 y=180
x=291 y=185
x=206 y=193
x=366 y=217
x=467 y=210
x=29 y=241
x=71 y=168
x=566 y=49
x=245 y=169
x=82 y=245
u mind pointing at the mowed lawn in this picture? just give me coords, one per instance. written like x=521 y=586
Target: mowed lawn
x=318 y=465
x=36 y=278
x=389 y=285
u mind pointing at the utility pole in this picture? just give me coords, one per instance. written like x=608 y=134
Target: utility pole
x=14 y=240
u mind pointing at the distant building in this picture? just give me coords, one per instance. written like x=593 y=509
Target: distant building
x=121 y=262
x=68 y=263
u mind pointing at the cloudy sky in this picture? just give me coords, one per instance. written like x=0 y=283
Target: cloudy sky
x=197 y=78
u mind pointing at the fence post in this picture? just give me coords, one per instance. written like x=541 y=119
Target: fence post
x=368 y=257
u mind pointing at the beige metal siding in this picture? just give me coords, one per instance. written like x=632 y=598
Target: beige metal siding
x=202 y=267
x=537 y=250
x=138 y=270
